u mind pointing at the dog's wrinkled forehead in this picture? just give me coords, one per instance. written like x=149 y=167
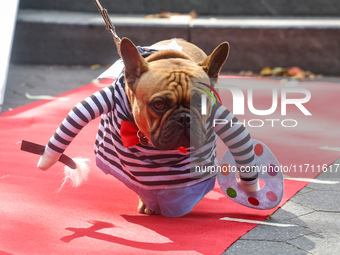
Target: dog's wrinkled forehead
x=171 y=79
x=179 y=82
x=170 y=85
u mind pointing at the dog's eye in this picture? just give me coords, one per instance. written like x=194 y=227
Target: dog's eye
x=159 y=105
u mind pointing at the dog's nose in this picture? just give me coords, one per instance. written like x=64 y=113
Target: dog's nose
x=184 y=119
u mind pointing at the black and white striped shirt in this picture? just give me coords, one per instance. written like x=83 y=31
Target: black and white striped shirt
x=146 y=166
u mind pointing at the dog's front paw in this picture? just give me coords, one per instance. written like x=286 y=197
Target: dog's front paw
x=143 y=209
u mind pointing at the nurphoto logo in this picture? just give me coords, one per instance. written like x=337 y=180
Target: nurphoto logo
x=288 y=95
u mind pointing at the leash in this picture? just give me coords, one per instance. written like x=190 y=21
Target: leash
x=109 y=26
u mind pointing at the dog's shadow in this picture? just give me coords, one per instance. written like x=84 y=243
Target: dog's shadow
x=175 y=232
x=173 y=229
x=170 y=228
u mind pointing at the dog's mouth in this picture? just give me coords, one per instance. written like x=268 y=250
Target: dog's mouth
x=181 y=129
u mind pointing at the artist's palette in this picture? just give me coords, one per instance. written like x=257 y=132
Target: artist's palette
x=269 y=172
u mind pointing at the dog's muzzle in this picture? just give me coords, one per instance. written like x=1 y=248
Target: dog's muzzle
x=184 y=120
x=181 y=129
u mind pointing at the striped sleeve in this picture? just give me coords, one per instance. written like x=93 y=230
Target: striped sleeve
x=90 y=108
x=237 y=138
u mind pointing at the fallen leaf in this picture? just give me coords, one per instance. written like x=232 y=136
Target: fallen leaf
x=97 y=66
x=294 y=71
x=278 y=71
x=267 y=71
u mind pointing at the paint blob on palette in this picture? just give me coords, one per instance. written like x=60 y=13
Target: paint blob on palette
x=269 y=173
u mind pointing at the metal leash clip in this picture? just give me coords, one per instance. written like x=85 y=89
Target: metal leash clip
x=109 y=26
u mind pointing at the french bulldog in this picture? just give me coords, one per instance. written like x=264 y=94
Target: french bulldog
x=160 y=94
x=165 y=106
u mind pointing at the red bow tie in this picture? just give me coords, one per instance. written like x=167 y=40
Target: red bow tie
x=131 y=135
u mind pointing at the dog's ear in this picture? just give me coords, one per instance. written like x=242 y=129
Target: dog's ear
x=212 y=64
x=135 y=64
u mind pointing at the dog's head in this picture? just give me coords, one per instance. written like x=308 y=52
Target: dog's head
x=165 y=103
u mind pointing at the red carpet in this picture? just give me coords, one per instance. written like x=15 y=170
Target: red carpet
x=100 y=217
